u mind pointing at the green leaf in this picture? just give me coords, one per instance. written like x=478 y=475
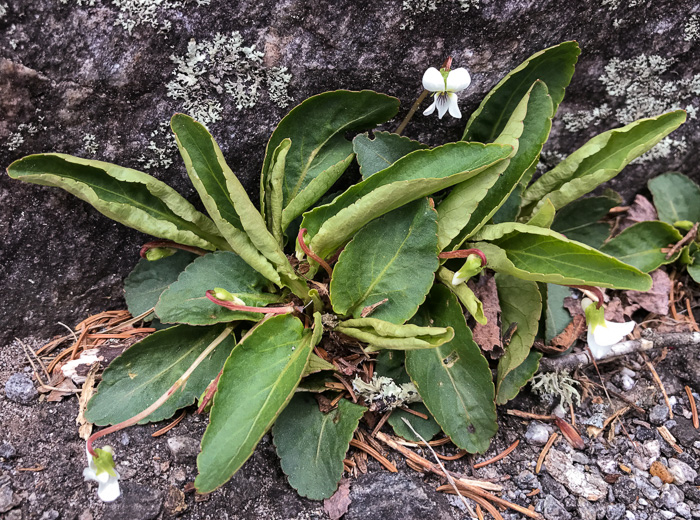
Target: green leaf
x=227 y=201
x=185 y=300
x=454 y=379
x=311 y=445
x=257 y=382
x=543 y=255
x=317 y=364
x=128 y=196
x=385 y=149
x=554 y=66
x=544 y=217
x=319 y=149
x=521 y=303
x=379 y=334
x=694 y=268
x=599 y=160
x=148 y=280
x=557 y=317
x=467 y=207
x=578 y=220
x=395 y=258
x=390 y=363
x=676 y=197
x=145 y=371
x=464 y=294
x=418 y=174
x=427 y=428
x=272 y=196
x=641 y=245
x=517 y=378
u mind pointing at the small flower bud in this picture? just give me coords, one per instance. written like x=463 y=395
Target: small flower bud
x=472 y=266
x=223 y=294
x=157 y=253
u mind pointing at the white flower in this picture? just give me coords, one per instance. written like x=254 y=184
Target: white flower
x=102 y=471
x=603 y=334
x=444 y=85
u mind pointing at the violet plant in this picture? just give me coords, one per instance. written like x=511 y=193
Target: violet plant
x=263 y=308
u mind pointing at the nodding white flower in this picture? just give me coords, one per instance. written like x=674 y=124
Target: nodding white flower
x=603 y=334
x=472 y=266
x=101 y=469
x=444 y=84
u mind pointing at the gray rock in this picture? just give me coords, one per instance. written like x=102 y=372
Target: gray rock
x=681 y=472
x=183 y=448
x=554 y=510
x=579 y=482
x=626 y=490
x=7 y=450
x=683 y=509
x=51 y=514
x=586 y=510
x=615 y=511
x=20 y=389
x=658 y=414
x=8 y=499
x=607 y=466
x=537 y=433
x=136 y=501
x=656 y=482
x=526 y=480
x=647 y=489
x=671 y=496
x=552 y=487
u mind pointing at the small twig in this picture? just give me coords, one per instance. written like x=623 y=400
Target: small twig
x=381 y=422
x=498 y=457
x=672 y=297
x=687 y=239
x=543 y=454
x=656 y=377
x=374 y=453
x=170 y=426
x=311 y=254
x=411 y=112
x=573 y=415
x=693 y=323
x=693 y=407
x=347 y=386
x=663 y=431
x=414 y=412
x=528 y=415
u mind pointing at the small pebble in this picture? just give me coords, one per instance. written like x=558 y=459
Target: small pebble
x=656 y=482
x=684 y=510
x=671 y=497
x=183 y=448
x=681 y=472
x=7 y=450
x=658 y=414
x=615 y=511
x=537 y=434
x=20 y=389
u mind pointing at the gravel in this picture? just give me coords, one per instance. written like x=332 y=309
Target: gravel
x=20 y=389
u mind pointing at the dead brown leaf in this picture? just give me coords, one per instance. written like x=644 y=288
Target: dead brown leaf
x=641 y=210
x=656 y=299
x=337 y=505
x=63 y=389
x=573 y=305
x=614 y=310
x=488 y=336
x=570 y=334
x=174 y=504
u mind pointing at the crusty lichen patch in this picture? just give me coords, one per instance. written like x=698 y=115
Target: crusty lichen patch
x=691 y=31
x=223 y=67
x=16 y=138
x=159 y=156
x=414 y=7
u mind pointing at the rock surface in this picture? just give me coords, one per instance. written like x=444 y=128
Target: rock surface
x=101 y=78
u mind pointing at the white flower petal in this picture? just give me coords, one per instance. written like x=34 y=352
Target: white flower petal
x=433 y=80
x=109 y=491
x=597 y=350
x=612 y=333
x=442 y=101
x=458 y=80
x=452 y=106
x=431 y=108
x=457 y=279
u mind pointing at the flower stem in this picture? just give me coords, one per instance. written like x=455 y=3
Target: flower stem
x=286 y=309
x=148 y=411
x=173 y=245
x=595 y=290
x=409 y=116
x=464 y=253
x=311 y=254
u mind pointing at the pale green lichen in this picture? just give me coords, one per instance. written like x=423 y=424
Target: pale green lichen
x=414 y=7
x=613 y=5
x=583 y=119
x=691 y=31
x=16 y=138
x=383 y=393
x=90 y=144
x=159 y=156
x=220 y=66
x=557 y=384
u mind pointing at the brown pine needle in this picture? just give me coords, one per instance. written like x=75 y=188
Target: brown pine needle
x=381 y=423
x=374 y=453
x=540 y=459
x=693 y=407
x=472 y=496
x=498 y=457
x=456 y=456
x=414 y=466
x=337 y=399
x=347 y=386
x=170 y=426
x=479 y=513
x=528 y=415
x=502 y=502
x=651 y=368
x=690 y=315
x=413 y=412
x=35 y=468
x=437 y=442
x=573 y=415
x=534 y=492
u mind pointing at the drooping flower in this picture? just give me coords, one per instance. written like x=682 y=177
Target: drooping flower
x=472 y=266
x=101 y=469
x=444 y=84
x=603 y=334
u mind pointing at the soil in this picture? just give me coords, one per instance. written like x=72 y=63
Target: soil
x=42 y=459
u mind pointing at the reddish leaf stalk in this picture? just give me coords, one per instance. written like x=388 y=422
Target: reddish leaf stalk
x=311 y=254
x=286 y=309
x=464 y=253
x=595 y=290
x=173 y=245
x=211 y=390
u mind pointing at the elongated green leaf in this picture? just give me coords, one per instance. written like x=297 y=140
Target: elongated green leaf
x=676 y=197
x=128 y=196
x=427 y=428
x=312 y=445
x=599 y=160
x=144 y=372
x=316 y=128
x=454 y=379
x=379 y=334
x=257 y=382
x=694 y=268
x=464 y=294
x=517 y=378
x=227 y=201
x=544 y=216
x=578 y=220
x=185 y=300
x=418 y=174
x=557 y=317
x=554 y=66
x=542 y=255
x=527 y=130
x=148 y=280
x=521 y=303
x=641 y=245
x=272 y=196
x=395 y=258
x=385 y=149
